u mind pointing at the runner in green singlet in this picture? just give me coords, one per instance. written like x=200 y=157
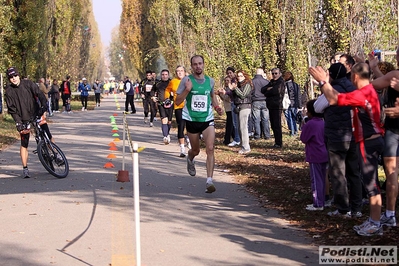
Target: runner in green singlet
x=197 y=90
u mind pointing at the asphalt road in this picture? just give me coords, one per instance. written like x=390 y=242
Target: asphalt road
x=88 y=218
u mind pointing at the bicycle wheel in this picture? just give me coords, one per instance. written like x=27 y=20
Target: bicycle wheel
x=53 y=159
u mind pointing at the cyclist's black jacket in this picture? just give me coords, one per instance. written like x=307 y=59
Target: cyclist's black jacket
x=21 y=102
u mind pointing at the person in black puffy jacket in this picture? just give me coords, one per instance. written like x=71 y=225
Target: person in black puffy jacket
x=25 y=102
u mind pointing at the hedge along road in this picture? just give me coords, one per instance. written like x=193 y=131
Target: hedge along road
x=88 y=217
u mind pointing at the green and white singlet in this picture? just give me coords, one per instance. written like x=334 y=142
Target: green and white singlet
x=198 y=107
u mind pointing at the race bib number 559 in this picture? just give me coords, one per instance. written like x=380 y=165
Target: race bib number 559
x=199 y=103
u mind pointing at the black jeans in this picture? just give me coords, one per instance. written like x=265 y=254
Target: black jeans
x=345 y=177
x=54 y=103
x=84 y=101
x=229 y=128
x=275 y=123
x=98 y=97
x=130 y=100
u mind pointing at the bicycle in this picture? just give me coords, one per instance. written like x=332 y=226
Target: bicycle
x=50 y=155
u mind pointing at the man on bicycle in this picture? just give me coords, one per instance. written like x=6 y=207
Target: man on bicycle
x=25 y=101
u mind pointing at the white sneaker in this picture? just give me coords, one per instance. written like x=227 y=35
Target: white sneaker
x=168 y=138
x=83 y=108
x=145 y=120
x=233 y=143
x=165 y=140
x=210 y=187
x=313 y=208
x=151 y=124
x=243 y=151
x=182 y=152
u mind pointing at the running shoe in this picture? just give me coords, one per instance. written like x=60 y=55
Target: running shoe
x=388 y=221
x=368 y=228
x=243 y=151
x=210 y=187
x=233 y=144
x=182 y=152
x=191 y=167
x=336 y=213
x=313 y=208
x=328 y=203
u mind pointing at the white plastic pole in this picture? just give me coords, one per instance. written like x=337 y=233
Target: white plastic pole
x=136 y=201
x=123 y=143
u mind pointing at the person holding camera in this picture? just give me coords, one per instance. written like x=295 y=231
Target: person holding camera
x=25 y=101
x=242 y=95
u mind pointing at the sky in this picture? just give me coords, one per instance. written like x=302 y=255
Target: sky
x=107 y=14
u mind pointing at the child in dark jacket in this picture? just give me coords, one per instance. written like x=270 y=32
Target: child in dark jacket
x=312 y=136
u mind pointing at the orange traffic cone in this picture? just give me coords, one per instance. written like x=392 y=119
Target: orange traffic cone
x=109 y=165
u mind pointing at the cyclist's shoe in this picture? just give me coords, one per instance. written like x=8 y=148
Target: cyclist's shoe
x=59 y=160
x=25 y=173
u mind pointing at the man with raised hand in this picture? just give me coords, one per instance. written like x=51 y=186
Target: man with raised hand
x=368 y=133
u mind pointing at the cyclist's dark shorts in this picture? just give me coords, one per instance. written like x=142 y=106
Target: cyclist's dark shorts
x=198 y=127
x=25 y=140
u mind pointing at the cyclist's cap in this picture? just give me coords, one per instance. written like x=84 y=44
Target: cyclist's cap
x=84 y=79
x=12 y=71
